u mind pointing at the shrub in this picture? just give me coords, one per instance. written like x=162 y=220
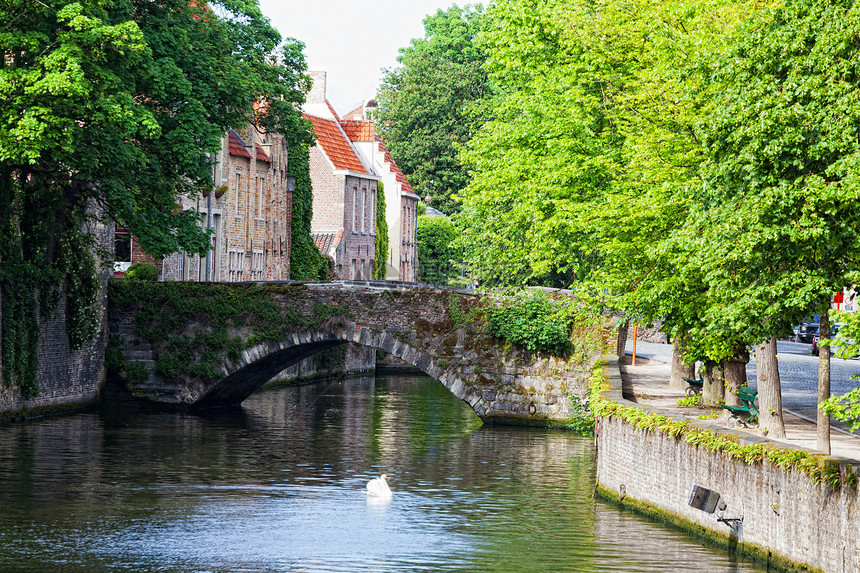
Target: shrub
x=142 y=272
x=535 y=322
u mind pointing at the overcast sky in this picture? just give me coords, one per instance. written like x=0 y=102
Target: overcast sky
x=350 y=40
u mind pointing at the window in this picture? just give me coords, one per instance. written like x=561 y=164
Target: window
x=259 y=198
x=121 y=252
x=236 y=264
x=373 y=211
x=356 y=223
x=257 y=265
x=364 y=210
x=238 y=192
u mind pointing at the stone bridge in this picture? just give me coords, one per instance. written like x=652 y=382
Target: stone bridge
x=204 y=345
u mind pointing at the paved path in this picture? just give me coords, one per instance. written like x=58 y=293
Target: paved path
x=648 y=382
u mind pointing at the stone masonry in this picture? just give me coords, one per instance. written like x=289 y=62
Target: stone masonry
x=500 y=383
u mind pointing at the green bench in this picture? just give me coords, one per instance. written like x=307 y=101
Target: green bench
x=694 y=386
x=742 y=416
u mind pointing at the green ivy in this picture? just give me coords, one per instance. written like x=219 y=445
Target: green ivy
x=46 y=253
x=381 y=240
x=163 y=309
x=306 y=261
x=726 y=444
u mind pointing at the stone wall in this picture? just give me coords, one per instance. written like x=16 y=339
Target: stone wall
x=68 y=379
x=501 y=383
x=788 y=519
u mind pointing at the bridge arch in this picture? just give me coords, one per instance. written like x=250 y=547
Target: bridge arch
x=261 y=362
x=434 y=329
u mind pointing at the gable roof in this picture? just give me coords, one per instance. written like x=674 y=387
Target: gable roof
x=335 y=145
x=261 y=155
x=237 y=145
x=357 y=130
x=405 y=187
x=327 y=242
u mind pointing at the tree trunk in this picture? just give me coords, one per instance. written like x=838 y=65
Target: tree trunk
x=735 y=371
x=622 y=337
x=680 y=368
x=769 y=390
x=823 y=434
x=714 y=387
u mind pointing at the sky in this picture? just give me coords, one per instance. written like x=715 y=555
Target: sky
x=352 y=41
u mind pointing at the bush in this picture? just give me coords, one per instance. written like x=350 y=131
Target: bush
x=142 y=272
x=535 y=322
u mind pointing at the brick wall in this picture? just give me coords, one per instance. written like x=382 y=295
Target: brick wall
x=251 y=220
x=784 y=512
x=329 y=194
x=67 y=378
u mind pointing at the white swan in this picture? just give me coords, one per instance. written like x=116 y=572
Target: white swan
x=378 y=487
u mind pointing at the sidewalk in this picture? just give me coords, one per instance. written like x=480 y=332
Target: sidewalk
x=647 y=383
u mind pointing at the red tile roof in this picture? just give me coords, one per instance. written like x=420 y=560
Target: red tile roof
x=335 y=145
x=358 y=130
x=401 y=178
x=237 y=146
x=331 y=109
x=261 y=155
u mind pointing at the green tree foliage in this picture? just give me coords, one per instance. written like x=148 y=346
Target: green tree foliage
x=439 y=260
x=587 y=169
x=306 y=261
x=117 y=104
x=380 y=260
x=424 y=104
x=780 y=208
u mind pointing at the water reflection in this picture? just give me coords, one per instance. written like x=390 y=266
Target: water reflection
x=279 y=486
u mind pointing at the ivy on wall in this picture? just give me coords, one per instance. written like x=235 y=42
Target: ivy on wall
x=306 y=261
x=46 y=253
x=381 y=256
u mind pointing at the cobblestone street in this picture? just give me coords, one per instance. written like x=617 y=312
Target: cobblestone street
x=798 y=371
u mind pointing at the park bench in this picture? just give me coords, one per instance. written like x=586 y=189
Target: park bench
x=694 y=386
x=741 y=416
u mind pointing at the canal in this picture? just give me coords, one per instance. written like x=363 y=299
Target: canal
x=278 y=486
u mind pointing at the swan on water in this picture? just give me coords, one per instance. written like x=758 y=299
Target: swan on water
x=378 y=487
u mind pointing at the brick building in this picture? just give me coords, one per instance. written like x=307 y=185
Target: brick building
x=344 y=188
x=400 y=200
x=249 y=215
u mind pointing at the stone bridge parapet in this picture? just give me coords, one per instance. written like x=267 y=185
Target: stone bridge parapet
x=201 y=345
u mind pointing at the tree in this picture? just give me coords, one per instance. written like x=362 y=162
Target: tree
x=424 y=104
x=439 y=261
x=117 y=104
x=780 y=202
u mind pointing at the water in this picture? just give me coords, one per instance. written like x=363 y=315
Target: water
x=278 y=486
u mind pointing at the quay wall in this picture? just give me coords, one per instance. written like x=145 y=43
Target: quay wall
x=69 y=379
x=789 y=521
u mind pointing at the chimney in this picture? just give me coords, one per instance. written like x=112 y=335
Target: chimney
x=317 y=93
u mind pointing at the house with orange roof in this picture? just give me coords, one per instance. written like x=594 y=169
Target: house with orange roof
x=248 y=213
x=400 y=200
x=344 y=191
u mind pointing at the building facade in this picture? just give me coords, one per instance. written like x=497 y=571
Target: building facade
x=400 y=200
x=344 y=191
x=248 y=214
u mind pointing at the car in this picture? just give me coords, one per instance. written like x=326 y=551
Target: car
x=834 y=331
x=806 y=331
